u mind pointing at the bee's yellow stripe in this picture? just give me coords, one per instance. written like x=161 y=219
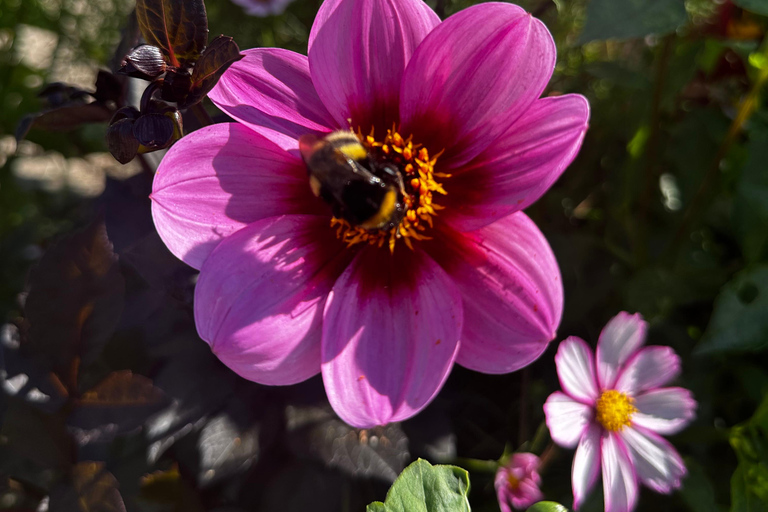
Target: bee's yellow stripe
x=388 y=205
x=348 y=145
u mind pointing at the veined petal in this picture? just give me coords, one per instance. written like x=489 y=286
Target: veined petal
x=219 y=179
x=260 y=297
x=657 y=463
x=472 y=77
x=519 y=166
x=270 y=90
x=619 y=477
x=621 y=337
x=586 y=465
x=567 y=419
x=390 y=335
x=358 y=51
x=513 y=295
x=665 y=411
x=650 y=367
x=576 y=370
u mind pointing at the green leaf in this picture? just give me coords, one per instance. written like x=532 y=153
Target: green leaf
x=178 y=27
x=751 y=205
x=422 y=487
x=749 y=483
x=756 y=6
x=739 y=322
x=547 y=506
x=624 y=19
x=217 y=57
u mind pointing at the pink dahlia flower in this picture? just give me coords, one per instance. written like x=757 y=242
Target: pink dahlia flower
x=517 y=483
x=286 y=291
x=614 y=409
x=263 y=7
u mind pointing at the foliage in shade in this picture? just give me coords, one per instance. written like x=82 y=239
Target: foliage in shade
x=640 y=222
x=423 y=487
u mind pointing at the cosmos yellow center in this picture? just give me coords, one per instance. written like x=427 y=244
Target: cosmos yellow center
x=615 y=410
x=512 y=482
x=417 y=168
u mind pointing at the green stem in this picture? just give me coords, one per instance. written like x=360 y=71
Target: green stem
x=746 y=109
x=651 y=154
x=477 y=465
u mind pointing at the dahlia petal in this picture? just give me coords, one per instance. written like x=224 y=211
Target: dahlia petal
x=650 y=367
x=656 y=461
x=519 y=166
x=358 y=51
x=472 y=77
x=270 y=91
x=217 y=180
x=513 y=296
x=390 y=336
x=566 y=418
x=665 y=411
x=576 y=370
x=586 y=465
x=621 y=337
x=619 y=477
x=260 y=297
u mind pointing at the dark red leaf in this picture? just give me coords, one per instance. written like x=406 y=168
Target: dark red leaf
x=64 y=118
x=75 y=301
x=121 y=141
x=176 y=86
x=92 y=488
x=178 y=27
x=122 y=402
x=145 y=61
x=154 y=131
x=217 y=57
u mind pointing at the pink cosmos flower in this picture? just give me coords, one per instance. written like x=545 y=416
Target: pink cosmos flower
x=614 y=409
x=517 y=483
x=263 y=7
x=286 y=291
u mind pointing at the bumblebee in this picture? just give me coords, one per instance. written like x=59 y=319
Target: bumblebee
x=361 y=189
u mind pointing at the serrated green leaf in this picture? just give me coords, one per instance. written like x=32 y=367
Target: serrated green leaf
x=422 y=487
x=625 y=19
x=739 y=322
x=756 y=6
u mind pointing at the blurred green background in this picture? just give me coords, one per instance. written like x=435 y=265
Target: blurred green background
x=664 y=212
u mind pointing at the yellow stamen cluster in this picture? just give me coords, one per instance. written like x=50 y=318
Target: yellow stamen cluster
x=512 y=482
x=615 y=410
x=418 y=171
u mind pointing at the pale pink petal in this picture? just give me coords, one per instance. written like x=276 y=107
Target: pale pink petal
x=567 y=419
x=656 y=461
x=270 y=91
x=219 y=179
x=621 y=337
x=519 y=166
x=472 y=77
x=665 y=411
x=260 y=296
x=390 y=335
x=576 y=370
x=513 y=295
x=619 y=477
x=358 y=50
x=650 y=367
x=586 y=465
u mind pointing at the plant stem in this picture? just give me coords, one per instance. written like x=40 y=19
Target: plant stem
x=745 y=111
x=201 y=114
x=477 y=465
x=651 y=154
